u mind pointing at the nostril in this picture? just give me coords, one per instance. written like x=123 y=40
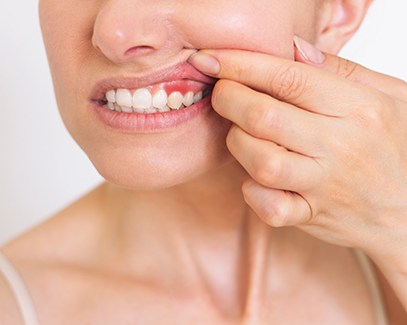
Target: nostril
x=139 y=50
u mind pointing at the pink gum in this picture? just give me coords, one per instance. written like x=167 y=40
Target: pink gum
x=182 y=86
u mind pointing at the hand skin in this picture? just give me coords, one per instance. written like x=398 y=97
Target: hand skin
x=325 y=148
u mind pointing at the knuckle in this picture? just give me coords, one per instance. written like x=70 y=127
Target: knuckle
x=268 y=170
x=261 y=118
x=241 y=71
x=270 y=118
x=375 y=114
x=279 y=215
x=272 y=210
x=254 y=120
x=343 y=148
x=346 y=68
x=290 y=82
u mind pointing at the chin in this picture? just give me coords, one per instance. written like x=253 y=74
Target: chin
x=158 y=178
x=151 y=169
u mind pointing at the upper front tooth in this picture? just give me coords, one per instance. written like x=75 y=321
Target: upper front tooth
x=124 y=98
x=160 y=99
x=188 y=99
x=175 y=100
x=111 y=96
x=142 y=98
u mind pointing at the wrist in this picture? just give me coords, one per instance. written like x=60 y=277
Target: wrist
x=387 y=247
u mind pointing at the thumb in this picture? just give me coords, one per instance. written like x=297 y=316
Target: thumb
x=307 y=53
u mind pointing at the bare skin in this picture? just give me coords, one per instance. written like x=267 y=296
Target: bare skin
x=199 y=269
x=170 y=239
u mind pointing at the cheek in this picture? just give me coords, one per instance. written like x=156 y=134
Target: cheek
x=262 y=26
x=66 y=30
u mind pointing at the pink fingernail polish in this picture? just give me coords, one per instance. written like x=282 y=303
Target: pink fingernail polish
x=205 y=63
x=308 y=51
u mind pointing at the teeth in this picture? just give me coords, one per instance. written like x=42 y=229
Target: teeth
x=110 y=105
x=124 y=98
x=198 y=97
x=142 y=101
x=188 y=99
x=111 y=96
x=175 y=100
x=138 y=110
x=151 y=110
x=164 y=109
x=160 y=99
x=117 y=107
x=126 y=109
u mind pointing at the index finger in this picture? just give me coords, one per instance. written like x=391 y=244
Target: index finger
x=296 y=83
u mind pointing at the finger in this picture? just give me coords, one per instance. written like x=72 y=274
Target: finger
x=272 y=165
x=394 y=87
x=267 y=118
x=302 y=85
x=275 y=207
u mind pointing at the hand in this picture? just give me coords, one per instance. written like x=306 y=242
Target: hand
x=325 y=143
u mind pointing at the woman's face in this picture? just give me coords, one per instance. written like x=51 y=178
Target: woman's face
x=97 y=46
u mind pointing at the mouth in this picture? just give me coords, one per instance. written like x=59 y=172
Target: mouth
x=171 y=89
x=154 y=101
x=157 y=98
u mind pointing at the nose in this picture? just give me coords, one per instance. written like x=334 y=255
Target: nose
x=126 y=30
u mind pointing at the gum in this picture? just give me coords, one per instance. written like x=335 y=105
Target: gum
x=182 y=86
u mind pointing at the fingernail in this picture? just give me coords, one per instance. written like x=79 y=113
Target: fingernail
x=308 y=51
x=205 y=63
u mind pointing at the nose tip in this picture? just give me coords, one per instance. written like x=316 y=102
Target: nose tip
x=123 y=32
x=118 y=48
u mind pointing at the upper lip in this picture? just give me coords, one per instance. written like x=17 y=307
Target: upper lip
x=178 y=71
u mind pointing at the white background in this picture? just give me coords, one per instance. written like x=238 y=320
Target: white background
x=42 y=169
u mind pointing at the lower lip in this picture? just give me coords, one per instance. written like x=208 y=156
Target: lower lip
x=148 y=123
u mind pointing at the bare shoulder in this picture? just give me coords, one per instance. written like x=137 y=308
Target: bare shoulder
x=40 y=254
x=63 y=235
x=9 y=312
x=395 y=311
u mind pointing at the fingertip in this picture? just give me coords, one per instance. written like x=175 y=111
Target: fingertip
x=205 y=62
x=306 y=52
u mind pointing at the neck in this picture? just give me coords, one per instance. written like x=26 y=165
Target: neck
x=212 y=205
x=204 y=230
